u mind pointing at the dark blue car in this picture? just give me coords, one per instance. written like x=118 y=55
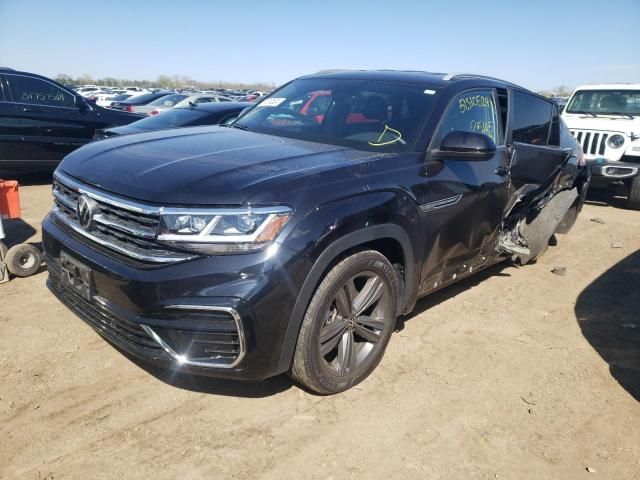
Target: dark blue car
x=213 y=113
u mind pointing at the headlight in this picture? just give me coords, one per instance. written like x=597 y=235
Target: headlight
x=224 y=230
x=615 y=141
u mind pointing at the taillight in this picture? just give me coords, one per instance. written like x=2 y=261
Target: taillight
x=129 y=108
x=154 y=112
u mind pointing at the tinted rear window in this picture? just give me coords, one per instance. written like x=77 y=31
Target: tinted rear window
x=531 y=119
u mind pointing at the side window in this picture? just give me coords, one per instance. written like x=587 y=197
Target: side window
x=320 y=105
x=531 y=120
x=473 y=111
x=38 y=92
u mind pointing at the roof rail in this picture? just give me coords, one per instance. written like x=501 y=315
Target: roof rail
x=457 y=76
x=334 y=70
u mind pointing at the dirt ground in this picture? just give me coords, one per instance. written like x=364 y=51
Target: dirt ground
x=517 y=373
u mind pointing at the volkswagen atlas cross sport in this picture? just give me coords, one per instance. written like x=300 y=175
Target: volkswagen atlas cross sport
x=291 y=240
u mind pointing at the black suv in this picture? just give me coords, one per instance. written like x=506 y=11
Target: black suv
x=41 y=121
x=291 y=240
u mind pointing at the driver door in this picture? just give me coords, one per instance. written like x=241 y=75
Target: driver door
x=467 y=196
x=51 y=123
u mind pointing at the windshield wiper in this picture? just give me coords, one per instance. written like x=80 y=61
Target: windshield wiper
x=583 y=112
x=241 y=127
x=621 y=114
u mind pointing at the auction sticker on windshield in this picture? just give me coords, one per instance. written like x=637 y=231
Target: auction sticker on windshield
x=271 y=102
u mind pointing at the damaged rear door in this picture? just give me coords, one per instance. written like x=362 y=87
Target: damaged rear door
x=535 y=142
x=537 y=163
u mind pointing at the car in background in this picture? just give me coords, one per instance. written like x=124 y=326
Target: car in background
x=86 y=91
x=106 y=99
x=130 y=104
x=605 y=119
x=117 y=96
x=41 y=121
x=249 y=98
x=199 y=98
x=159 y=104
x=213 y=113
x=120 y=97
x=102 y=98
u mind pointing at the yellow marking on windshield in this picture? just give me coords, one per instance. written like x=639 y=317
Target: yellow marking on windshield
x=387 y=128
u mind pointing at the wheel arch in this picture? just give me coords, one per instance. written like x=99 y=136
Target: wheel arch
x=386 y=238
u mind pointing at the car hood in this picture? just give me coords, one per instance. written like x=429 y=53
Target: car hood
x=200 y=165
x=603 y=123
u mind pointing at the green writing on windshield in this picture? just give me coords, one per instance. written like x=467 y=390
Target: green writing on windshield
x=481 y=126
x=476 y=101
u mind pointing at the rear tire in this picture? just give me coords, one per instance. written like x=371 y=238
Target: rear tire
x=348 y=324
x=633 y=200
x=23 y=260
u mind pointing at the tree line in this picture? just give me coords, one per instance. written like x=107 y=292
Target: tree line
x=181 y=81
x=162 y=81
x=559 y=91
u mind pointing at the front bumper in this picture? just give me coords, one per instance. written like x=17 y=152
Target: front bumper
x=222 y=316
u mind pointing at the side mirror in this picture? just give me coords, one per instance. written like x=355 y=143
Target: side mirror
x=466 y=145
x=81 y=103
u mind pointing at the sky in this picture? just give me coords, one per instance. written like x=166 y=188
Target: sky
x=538 y=44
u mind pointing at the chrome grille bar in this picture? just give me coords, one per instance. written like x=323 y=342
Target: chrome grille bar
x=122 y=225
x=593 y=143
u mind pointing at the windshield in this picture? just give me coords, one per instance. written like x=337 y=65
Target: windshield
x=605 y=102
x=367 y=115
x=171 y=118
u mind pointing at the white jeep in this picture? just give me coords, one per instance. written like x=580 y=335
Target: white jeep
x=605 y=119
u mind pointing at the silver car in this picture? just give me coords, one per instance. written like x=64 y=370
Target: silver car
x=162 y=103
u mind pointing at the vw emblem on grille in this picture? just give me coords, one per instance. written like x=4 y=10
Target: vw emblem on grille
x=86 y=208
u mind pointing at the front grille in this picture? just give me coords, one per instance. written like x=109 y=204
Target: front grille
x=121 y=225
x=122 y=332
x=593 y=143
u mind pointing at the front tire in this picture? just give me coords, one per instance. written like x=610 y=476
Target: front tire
x=633 y=200
x=348 y=324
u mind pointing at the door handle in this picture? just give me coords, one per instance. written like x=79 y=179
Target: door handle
x=32 y=110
